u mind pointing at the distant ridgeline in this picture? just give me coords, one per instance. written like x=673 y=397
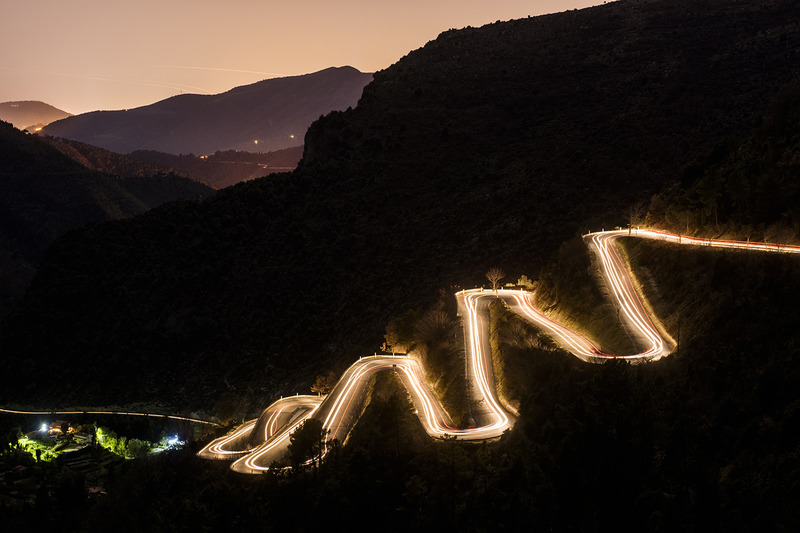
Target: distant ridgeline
x=217 y=170
x=30 y=115
x=266 y=116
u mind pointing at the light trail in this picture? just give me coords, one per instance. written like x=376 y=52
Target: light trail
x=224 y=448
x=338 y=410
x=126 y=413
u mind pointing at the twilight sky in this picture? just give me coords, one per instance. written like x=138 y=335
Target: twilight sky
x=83 y=55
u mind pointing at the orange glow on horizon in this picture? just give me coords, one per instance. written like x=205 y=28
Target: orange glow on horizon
x=81 y=60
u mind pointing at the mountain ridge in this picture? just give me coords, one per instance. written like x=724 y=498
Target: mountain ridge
x=217 y=170
x=30 y=114
x=269 y=115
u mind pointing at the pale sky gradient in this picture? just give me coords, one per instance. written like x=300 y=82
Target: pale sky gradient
x=83 y=55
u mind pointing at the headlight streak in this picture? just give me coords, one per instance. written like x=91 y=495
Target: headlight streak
x=629 y=303
x=271 y=426
x=344 y=395
x=251 y=464
x=336 y=409
x=250 y=437
x=482 y=364
x=217 y=449
x=126 y=413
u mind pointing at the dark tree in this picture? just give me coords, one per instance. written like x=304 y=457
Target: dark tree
x=307 y=444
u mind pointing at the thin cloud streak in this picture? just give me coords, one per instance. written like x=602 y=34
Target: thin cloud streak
x=217 y=69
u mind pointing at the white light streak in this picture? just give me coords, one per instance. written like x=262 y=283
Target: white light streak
x=127 y=413
x=337 y=410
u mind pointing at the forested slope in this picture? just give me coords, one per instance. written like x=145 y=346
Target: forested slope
x=44 y=193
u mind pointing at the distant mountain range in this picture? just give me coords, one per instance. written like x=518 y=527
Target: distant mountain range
x=266 y=116
x=218 y=170
x=223 y=169
x=30 y=114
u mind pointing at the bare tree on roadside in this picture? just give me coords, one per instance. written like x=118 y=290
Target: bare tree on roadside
x=494 y=275
x=636 y=213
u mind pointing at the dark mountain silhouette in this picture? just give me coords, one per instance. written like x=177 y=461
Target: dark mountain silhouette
x=275 y=113
x=44 y=193
x=29 y=114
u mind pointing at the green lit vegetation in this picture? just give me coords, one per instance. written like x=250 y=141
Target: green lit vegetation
x=125 y=447
x=44 y=449
x=47 y=447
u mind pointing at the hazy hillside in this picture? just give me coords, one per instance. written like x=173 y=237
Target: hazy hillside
x=30 y=114
x=102 y=160
x=223 y=169
x=218 y=170
x=274 y=112
x=489 y=146
x=149 y=183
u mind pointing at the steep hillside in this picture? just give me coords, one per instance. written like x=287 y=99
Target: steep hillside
x=103 y=160
x=44 y=192
x=151 y=184
x=265 y=116
x=489 y=146
x=30 y=114
x=745 y=186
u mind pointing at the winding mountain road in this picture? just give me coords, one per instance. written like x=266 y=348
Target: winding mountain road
x=258 y=443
